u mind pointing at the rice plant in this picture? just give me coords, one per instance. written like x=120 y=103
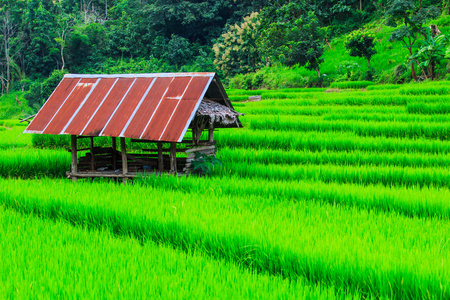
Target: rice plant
x=322 y=195
x=351 y=84
x=79 y=262
x=372 y=253
x=331 y=141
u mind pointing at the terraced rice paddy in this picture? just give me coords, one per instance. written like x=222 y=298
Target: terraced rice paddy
x=342 y=195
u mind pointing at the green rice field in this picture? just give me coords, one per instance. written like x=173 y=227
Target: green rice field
x=324 y=194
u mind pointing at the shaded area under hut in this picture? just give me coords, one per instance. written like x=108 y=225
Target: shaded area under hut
x=164 y=115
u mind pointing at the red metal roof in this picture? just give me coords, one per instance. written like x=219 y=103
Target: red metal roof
x=156 y=107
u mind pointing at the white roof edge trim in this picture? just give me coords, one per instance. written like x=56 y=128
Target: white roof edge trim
x=195 y=110
x=207 y=74
x=32 y=131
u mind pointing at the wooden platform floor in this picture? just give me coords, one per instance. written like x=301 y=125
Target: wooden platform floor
x=113 y=174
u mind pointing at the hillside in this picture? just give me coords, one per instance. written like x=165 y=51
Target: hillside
x=338 y=65
x=250 y=44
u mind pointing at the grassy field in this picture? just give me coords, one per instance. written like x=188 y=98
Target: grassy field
x=322 y=195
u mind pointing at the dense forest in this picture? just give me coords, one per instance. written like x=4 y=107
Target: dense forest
x=228 y=36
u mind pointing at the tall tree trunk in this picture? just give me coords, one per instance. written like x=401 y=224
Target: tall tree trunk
x=62 y=57
x=432 y=67
x=413 y=71
x=328 y=43
x=6 y=40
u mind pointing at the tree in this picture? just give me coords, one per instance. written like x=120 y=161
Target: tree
x=86 y=47
x=293 y=39
x=236 y=50
x=65 y=26
x=178 y=51
x=360 y=44
x=8 y=31
x=42 y=53
x=412 y=19
x=10 y=21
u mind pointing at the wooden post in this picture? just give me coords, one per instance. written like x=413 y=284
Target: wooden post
x=73 y=151
x=160 y=157
x=114 y=153
x=173 y=158
x=124 y=158
x=92 y=153
x=211 y=133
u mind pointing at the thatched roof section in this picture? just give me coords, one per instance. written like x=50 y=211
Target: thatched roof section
x=217 y=112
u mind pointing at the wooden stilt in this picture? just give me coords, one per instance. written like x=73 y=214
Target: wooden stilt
x=92 y=153
x=73 y=151
x=173 y=158
x=124 y=158
x=211 y=133
x=160 y=157
x=114 y=153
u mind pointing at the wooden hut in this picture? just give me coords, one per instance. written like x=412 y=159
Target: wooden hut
x=157 y=110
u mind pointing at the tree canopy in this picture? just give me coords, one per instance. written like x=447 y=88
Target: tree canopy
x=227 y=36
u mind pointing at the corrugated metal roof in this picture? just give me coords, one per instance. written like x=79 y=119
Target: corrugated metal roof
x=156 y=107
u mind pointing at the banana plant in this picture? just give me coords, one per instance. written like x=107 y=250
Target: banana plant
x=429 y=53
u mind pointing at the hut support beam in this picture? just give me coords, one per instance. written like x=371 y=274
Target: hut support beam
x=160 y=157
x=114 y=153
x=73 y=151
x=173 y=158
x=211 y=133
x=92 y=153
x=124 y=158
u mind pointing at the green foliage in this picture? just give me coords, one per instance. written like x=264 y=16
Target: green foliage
x=139 y=65
x=85 y=48
x=292 y=40
x=278 y=77
x=41 y=49
x=412 y=20
x=178 y=51
x=236 y=50
x=40 y=92
x=51 y=141
x=430 y=53
x=361 y=44
x=350 y=69
x=204 y=164
x=399 y=72
x=13 y=106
